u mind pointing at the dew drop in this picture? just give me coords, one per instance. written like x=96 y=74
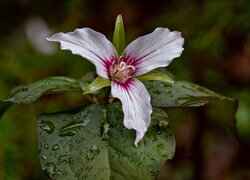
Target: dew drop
x=47 y=126
x=65 y=159
x=78 y=141
x=50 y=170
x=83 y=113
x=92 y=153
x=46 y=146
x=168 y=91
x=88 y=168
x=25 y=89
x=55 y=147
x=94 y=147
x=56 y=155
x=95 y=150
x=43 y=157
x=71 y=128
x=163 y=124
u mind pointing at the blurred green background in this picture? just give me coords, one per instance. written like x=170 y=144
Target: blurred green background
x=216 y=55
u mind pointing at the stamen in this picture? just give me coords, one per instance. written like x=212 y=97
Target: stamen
x=120 y=59
x=122 y=65
x=122 y=70
x=132 y=67
x=129 y=61
x=113 y=64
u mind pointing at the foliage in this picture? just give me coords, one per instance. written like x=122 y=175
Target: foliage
x=86 y=144
x=93 y=133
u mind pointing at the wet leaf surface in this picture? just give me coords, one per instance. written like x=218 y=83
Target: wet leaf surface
x=28 y=94
x=187 y=94
x=91 y=143
x=54 y=146
x=180 y=94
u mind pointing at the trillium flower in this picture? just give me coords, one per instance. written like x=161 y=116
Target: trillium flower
x=144 y=54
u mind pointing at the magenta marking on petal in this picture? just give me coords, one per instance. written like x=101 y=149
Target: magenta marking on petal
x=126 y=85
x=108 y=64
x=137 y=60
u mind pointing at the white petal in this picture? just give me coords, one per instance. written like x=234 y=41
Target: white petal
x=154 y=50
x=89 y=44
x=135 y=105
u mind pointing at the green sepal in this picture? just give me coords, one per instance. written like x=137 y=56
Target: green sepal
x=119 y=35
x=155 y=75
x=97 y=84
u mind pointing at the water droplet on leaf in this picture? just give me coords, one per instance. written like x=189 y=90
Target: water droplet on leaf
x=71 y=128
x=43 y=157
x=55 y=147
x=46 y=146
x=47 y=126
x=163 y=124
x=66 y=159
x=25 y=89
x=50 y=170
x=83 y=113
x=168 y=91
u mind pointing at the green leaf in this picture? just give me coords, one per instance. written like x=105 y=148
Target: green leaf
x=180 y=94
x=92 y=143
x=28 y=94
x=97 y=84
x=55 y=136
x=119 y=35
x=185 y=94
x=156 y=75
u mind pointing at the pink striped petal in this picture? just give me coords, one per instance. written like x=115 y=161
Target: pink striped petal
x=135 y=104
x=154 y=50
x=89 y=44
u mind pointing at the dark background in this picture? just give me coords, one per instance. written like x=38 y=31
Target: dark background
x=216 y=55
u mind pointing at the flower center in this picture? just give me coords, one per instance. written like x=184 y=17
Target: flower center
x=121 y=70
